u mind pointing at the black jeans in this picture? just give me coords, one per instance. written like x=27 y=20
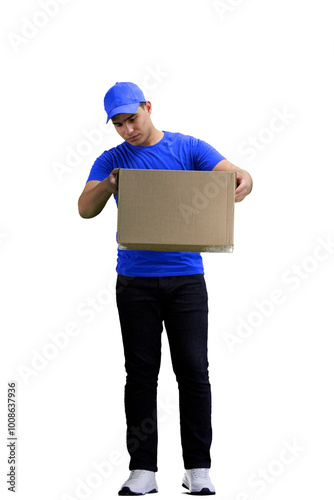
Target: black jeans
x=181 y=302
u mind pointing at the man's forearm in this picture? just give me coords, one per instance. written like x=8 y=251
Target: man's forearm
x=92 y=202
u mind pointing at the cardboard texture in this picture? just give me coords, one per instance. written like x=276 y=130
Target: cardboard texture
x=175 y=210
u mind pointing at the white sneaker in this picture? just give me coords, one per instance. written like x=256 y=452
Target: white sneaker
x=140 y=482
x=198 y=482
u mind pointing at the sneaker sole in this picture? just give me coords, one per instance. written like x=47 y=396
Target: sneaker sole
x=204 y=491
x=128 y=493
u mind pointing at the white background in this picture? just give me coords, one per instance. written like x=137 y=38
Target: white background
x=219 y=71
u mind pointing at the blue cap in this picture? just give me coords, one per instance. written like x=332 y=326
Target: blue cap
x=123 y=97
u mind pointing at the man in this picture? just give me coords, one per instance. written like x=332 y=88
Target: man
x=155 y=288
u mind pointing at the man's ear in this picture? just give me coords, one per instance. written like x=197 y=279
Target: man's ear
x=148 y=106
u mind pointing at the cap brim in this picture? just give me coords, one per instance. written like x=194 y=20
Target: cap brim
x=127 y=108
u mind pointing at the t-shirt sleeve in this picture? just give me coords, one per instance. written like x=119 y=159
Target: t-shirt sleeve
x=102 y=167
x=206 y=157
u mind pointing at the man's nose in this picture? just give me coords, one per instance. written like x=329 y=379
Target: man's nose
x=129 y=128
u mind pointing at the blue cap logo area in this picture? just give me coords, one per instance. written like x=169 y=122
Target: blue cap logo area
x=123 y=97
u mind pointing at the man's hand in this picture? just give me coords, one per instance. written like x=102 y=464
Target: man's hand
x=113 y=182
x=243 y=189
x=96 y=194
x=244 y=180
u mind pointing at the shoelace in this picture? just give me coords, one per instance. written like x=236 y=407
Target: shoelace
x=201 y=473
x=136 y=474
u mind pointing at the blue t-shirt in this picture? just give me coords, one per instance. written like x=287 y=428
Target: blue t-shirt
x=173 y=152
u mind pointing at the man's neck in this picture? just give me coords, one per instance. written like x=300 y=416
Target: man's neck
x=154 y=138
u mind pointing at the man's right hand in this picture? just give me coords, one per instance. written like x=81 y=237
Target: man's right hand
x=96 y=194
x=113 y=181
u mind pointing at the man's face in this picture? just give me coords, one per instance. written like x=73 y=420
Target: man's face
x=135 y=128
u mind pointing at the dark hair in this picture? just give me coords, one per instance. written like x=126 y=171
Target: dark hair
x=142 y=104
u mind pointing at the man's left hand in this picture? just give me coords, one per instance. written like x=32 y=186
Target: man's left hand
x=244 y=180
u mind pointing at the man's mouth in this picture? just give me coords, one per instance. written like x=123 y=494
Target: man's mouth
x=133 y=138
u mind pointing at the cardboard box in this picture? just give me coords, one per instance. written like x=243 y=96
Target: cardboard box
x=175 y=210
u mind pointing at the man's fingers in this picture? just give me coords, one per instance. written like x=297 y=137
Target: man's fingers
x=113 y=179
x=114 y=173
x=241 y=190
